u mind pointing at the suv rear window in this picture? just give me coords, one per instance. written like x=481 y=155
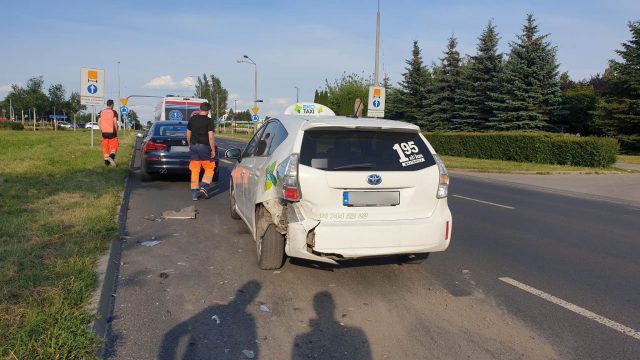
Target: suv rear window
x=175 y=130
x=354 y=150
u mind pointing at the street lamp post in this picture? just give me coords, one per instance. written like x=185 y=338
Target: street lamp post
x=255 y=82
x=297 y=94
x=198 y=90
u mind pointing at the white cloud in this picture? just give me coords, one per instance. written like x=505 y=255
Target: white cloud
x=5 y=88
x=167 y=82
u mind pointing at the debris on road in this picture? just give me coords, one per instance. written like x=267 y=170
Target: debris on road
x=150 y=243
x=216 y=318
x=249 y=354
x=152 y=218
x=187 y=213
x=277 y=272
x=163 y=275
x=264 y=308
x=218 y=302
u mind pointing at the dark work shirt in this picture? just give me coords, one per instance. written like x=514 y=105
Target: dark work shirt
x=200 y=126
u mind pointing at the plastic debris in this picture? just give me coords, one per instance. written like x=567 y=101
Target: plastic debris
x=264 y=308
x=150 y=243
x=277 y=272
x=249 y=354
x=163 y=275
x=152 y=218
x=216 y=318
x=186 y=213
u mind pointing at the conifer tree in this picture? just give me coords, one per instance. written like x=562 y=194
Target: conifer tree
x=529 y=88
x=481 y=80
x=444 y=100
x=619 y=113
x=408 y=103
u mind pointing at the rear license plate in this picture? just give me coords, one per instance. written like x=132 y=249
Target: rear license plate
x=179 y=149
x=370 y=198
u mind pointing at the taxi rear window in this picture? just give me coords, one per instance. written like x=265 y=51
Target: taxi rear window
x=356 y=150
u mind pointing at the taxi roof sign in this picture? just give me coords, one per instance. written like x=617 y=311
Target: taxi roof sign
x=311 y=109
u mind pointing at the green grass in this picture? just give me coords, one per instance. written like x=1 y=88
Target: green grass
x=58 y=205
x=237 y=136
x=463 y=163
x=629 y=159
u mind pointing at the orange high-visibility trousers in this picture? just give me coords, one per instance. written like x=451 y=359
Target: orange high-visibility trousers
x=195 y=165
x=109 y=146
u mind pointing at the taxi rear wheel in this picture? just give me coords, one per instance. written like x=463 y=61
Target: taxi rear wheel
x=232 y=202
x=270 y=249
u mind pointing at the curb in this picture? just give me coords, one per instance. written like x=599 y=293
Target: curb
x=574 y=194
x=106 y=304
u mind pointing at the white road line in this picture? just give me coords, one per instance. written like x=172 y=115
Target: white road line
x=575 y=308
x=484 y=202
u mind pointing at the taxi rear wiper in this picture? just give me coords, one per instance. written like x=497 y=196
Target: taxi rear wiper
x=355 y=166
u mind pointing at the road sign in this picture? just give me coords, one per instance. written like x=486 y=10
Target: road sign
x=255 y=118
x=124 y=110
x=124 y=101
x=376 y=101
x=255 y=110
x=91 y=86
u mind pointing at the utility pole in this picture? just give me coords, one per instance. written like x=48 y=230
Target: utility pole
x=376 y=74
x=255 y=77
x=119 y=101
x=297 y=94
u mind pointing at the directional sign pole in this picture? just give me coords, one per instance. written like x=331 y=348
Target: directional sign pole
x=93 y=120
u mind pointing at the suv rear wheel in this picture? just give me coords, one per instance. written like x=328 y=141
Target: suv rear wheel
x=270 y=249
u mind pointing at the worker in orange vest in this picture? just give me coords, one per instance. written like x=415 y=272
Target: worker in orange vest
x=107 y=120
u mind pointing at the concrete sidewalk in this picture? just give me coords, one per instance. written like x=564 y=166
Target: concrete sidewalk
x=619 y=188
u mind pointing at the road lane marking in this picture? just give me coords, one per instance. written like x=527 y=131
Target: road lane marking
x=575 y=308
x=484 y=202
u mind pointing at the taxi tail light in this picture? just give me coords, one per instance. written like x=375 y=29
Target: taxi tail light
x=290 y=183
x=446 y=232
x=443 y=183
x=154 y=146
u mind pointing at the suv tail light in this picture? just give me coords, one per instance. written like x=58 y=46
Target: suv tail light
x=153 y=146
x=290 y=183
x=443 y=183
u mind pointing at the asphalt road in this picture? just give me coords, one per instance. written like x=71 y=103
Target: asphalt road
x=199 y=294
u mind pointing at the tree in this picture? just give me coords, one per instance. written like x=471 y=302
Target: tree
x=445 y=94
x=577 y=110
x=530 y=89
x=343 y=92
x=407 y=104
x=73 y=105
x=57 y=98
x=481 y=80
x=619 y=112
x=133 y=119
x=211 y=89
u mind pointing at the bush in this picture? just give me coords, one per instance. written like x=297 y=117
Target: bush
x=11 y=125
x=537 y=147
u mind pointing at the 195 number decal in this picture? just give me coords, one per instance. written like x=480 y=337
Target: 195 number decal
x=408 y=153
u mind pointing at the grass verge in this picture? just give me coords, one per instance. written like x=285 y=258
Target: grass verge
x=629 y=159
x=483 y=165
x=58 y=205
x=237 y=136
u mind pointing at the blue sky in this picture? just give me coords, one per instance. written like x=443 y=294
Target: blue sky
x=295 y=43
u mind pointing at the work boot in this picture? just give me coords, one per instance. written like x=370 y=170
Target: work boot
x=112 y=156
x=110 y=161
x=195 y=193
x=106 y=162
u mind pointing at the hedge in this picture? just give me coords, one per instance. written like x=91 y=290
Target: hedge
x=537 y=147
x=12 y=125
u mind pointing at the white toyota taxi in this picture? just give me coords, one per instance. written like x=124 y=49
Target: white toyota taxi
x=328 y=188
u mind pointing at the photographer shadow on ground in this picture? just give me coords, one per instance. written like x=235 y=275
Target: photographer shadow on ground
x=217 y=332
x=328 y=339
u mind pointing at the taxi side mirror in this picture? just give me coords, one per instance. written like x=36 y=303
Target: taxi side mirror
x=233 y=153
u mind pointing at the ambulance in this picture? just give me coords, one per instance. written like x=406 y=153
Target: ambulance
x=177 y=108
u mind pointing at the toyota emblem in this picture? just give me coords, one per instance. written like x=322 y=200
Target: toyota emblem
x=374 y=179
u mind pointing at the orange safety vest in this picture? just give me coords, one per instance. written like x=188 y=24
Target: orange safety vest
x=107 y=121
